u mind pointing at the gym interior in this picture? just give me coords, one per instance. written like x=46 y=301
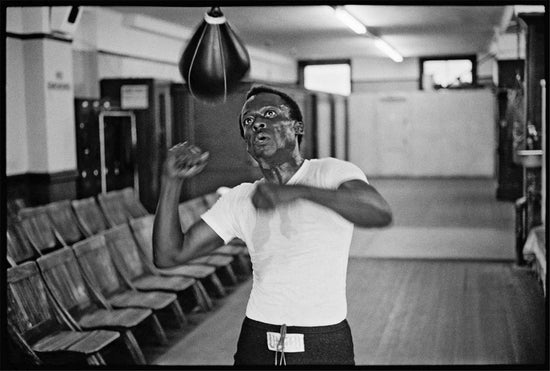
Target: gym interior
x=447 y=119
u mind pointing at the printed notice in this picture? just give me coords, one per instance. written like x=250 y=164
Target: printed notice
x=134 y=97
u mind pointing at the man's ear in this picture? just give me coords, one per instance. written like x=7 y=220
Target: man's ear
x=298 y=127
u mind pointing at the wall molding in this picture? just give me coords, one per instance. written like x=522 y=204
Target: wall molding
x=38 y=36
x=123 y=55
x=42 y=188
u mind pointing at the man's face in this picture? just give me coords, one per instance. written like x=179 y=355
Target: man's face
x=269 y=132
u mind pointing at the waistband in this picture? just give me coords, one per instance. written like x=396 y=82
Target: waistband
x=295 y=329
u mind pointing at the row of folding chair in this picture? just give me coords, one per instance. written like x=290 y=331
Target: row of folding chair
x=117 y=276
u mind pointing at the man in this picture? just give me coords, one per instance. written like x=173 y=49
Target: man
x=297 y=222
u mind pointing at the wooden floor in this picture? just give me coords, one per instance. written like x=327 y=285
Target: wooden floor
x=413 y=311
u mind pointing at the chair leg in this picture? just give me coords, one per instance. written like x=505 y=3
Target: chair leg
x=158 y=330
x=216 y=286
x=229 y=275
x=178 y=314
x=202 y=297
x=96 y=360
x=133 y=347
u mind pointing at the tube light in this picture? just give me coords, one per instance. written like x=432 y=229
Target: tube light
x=386 y=48
x=350 y=20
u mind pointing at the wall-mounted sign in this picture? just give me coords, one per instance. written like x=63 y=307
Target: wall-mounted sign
x=134 y=97
x=58 y=86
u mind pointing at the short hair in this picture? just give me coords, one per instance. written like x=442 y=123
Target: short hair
x=295 y=112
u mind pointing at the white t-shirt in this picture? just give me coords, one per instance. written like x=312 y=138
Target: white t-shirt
x=299 y=251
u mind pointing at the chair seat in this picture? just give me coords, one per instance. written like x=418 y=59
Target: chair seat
x=163 y=283
x=148 y=300
x=196 y=271
x=231 y=250
x=213 y=260
x=114 y=319
x=88 y=342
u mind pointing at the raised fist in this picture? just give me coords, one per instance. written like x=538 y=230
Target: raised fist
x=184 y=161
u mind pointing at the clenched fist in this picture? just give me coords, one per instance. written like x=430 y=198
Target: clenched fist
x=184 y=161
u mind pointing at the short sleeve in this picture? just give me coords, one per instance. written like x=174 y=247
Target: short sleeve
x=337 y=172
x=221 y=217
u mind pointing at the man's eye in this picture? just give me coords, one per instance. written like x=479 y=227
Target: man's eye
x=270 y=114
x=248 y=121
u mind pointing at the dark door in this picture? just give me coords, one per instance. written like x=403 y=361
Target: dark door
x=119 y=152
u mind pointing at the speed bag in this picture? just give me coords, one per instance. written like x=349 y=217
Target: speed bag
x=214 y=60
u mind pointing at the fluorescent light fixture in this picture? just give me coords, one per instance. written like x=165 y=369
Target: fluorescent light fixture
x=349 y=20
x=386 y=48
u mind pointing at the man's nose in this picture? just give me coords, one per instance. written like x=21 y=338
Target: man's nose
x=258 y=125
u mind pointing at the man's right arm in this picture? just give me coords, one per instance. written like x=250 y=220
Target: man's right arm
x=170 y=246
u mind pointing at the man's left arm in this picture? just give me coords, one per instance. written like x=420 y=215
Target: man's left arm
x=355 y=200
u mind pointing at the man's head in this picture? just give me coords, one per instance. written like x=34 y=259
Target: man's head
x=295 y=112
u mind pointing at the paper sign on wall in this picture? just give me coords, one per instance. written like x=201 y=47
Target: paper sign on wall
x=134 y=97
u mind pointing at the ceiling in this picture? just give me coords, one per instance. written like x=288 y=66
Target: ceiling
x=313 y=32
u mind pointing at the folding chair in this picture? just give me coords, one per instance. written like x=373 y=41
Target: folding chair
x=113 y=208
x=235 y=248
x=64 y=220
x=132 y=203
x=33 y=316
x=85 y=308
x=89 y=216
x=130 y=263
x=39 y=229
x=96 y=263
x=189 y=212
x=19 y=247
x=142 y=229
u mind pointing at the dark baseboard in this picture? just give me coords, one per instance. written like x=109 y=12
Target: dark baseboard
x=42 y=188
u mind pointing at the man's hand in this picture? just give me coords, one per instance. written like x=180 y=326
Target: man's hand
x=268 y=195
x=184 y=161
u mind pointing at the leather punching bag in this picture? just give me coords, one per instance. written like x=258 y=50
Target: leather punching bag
x=214 y=60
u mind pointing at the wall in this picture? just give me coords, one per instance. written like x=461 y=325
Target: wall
x=120 y=52
x=40 y=121
x=383 y=74
x=441 y=133
x=17 y=159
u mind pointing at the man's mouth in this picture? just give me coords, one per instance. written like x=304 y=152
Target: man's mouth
x=261 y=138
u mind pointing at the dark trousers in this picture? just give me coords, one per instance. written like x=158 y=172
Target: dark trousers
x=324 y=345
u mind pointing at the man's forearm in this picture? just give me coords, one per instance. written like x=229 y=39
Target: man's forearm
x=363 y=206
x=167 y=234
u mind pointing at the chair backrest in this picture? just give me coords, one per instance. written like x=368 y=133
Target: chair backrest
x=96 y=263
x=19 y=247
x=89 y=216
x=210 y=199
x=125 y=252
x=64 y=221
x=30 y=308
x=143 y=233
x=66 y=282
x=190 y=212
x=39 y=229
x=132 y=203
x=113 y=208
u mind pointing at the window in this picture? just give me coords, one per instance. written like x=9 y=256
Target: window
x=332 y=76
x=448 y=72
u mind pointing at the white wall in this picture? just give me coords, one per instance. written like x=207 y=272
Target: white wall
x=17 y=157
x=441 y=133
x=40 y=119
x=383 y=74
x=126 y=51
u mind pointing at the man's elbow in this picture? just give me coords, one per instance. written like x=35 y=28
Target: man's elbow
x=382 y=218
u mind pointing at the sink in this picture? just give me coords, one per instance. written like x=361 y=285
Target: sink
x=530 y=158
